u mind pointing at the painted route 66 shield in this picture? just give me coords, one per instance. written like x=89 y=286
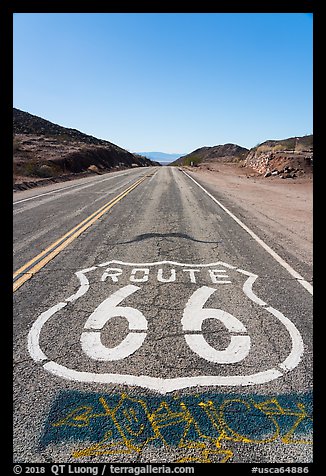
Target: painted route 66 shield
x=165 y=326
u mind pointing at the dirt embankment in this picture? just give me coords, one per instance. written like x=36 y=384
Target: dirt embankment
x=44 y=152
x=288 y=158
x=280 y=209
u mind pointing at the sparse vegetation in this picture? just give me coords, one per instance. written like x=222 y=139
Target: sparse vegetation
x=35 y=167
x=226 y=152
x=43 y=150
x=267 y=148
x=292 y=143
x=16 y=144
x=195 y=159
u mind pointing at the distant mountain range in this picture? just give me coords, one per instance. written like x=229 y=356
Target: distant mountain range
x=160 y=156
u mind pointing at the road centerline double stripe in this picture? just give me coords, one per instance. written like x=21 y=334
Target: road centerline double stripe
x=28 y=270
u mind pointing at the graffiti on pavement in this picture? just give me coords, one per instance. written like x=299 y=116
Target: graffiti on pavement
x=125 y=424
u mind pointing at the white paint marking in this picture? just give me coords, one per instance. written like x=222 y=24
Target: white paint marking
x=159 y=384
x=155 y=263
x=246 y=273
x=34 y=334
x=267 y=248
x=162 y=385
x=194 y=314
x=193 y=317
x=296 y=353
x=247 y=289
x=216 y=273
x=91 y=341
x=109 y=308
x=84 y=284
x=306 y=285
x=236 y=351
x=93 y=347
x=139 y=279
x=141 y=275
x=112 y=273
x=170 y=279
x=80 y=186
x=191 y=274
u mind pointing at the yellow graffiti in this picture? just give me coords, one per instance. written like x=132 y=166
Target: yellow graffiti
x=195 y=445
x=272 y=407
x=164 y=417
x=218 y=420
x=104 y=447
x=78 y=417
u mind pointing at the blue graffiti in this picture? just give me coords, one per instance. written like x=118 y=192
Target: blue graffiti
x=185 y=421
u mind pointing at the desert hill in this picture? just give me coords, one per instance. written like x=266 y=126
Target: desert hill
x=44 y=150
x=226 y=152
x=287 y=158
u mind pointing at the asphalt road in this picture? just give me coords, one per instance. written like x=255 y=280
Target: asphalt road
x=151 y=326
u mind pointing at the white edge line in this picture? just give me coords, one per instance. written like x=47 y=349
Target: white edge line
x=63 y=189
x=267 y=248
x=81 y=186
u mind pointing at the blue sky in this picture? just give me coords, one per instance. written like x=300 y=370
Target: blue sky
x=169 y=82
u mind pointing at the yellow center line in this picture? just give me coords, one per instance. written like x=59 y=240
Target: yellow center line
x=55 y=248
x=20 y=270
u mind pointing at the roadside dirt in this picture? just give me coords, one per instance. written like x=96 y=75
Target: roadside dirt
x=21 y=182
x=281 y=208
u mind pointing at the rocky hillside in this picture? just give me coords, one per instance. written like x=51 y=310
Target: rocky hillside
x=287 y=158
x=43 y=150
x=226 y=153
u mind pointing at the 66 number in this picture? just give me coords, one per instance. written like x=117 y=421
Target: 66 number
x=194 y=315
